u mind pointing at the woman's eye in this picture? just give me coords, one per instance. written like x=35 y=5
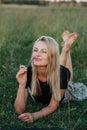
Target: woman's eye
x=44 y=51
x=35 y=50
x=41 y=51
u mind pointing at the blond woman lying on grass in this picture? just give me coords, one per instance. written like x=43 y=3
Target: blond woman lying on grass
x=47 y=77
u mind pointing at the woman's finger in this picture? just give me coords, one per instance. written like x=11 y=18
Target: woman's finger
x=26 y=117
x=21 y=71
x=22 y=66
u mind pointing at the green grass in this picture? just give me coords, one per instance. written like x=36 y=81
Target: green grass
x=20 y=26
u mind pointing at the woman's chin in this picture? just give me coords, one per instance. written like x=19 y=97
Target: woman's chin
x=39 y=65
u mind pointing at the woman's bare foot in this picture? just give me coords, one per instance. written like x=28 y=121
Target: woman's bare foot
x=70 y=38
x=65 y=36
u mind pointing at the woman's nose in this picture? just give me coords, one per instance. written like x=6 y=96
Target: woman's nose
x=38 y=53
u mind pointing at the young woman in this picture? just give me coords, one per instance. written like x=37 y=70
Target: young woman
x=47 y=77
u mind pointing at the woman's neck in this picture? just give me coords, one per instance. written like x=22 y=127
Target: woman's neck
x=42 y=76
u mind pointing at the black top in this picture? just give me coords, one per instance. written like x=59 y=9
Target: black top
x=45 y=88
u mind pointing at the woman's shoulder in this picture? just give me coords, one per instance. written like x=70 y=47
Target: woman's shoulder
x=63 y=68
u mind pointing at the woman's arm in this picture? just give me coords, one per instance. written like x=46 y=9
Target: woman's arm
x=30 y=117
x=53 y=105
x=20 y=101
x=22 y=93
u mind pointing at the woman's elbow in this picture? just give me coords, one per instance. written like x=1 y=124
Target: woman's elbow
x=55 y=107
x=19 y=109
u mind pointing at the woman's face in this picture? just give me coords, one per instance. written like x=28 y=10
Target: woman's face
x=39 y=55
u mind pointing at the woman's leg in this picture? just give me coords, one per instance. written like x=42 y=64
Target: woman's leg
x=65 y=57
x=65 y=60
x=69 y=65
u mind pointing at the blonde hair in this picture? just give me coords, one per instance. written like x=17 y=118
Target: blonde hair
x=53 y=69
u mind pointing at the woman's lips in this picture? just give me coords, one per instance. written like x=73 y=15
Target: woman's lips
x=36 y=59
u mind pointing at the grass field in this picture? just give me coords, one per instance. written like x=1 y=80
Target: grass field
x=20 y=26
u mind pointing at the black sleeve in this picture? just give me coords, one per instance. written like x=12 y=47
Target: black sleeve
x=64 y=77
x=29 y=77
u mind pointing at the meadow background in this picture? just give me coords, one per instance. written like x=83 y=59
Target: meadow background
x=20 y=26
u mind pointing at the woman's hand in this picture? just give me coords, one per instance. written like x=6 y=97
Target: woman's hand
x=26 y=117
x=21 y=75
